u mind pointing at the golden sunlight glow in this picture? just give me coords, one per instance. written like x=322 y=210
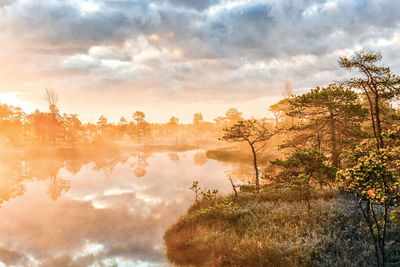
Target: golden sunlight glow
x=199 y=133
x=11 y=98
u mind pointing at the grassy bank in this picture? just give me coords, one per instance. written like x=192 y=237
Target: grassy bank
x=235 y=155
x=275 y=229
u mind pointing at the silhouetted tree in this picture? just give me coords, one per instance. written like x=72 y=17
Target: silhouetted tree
x=122 y=126
x=123 y=121
x=199 y=125
x=280 y=111
x=139 y=116
x=72 y=125
x=287 y=91
x=11 y=126
x=173 y=126
x=377 y=83
x=253 y=132
x=233 y=115
x=197 y=118
x=102 y=122
x=54 y=117
x=331 y=113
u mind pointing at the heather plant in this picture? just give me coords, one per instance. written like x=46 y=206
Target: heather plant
x=267 y=230
x=375 y=182
x=223 y=209
x=303 y=169
x=249 y=187
x=395 y=215
x=210 y=195
x=196 y=189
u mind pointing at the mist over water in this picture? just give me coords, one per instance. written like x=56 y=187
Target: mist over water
x=108 y=211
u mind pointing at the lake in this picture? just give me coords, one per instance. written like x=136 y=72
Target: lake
x=104 y=211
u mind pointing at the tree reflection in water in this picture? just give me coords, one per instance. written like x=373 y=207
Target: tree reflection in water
x=57 y=186
x=139 y=167
x=99 y=214
x=200 y=158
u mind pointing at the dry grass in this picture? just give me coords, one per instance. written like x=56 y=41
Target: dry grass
x=275 y=229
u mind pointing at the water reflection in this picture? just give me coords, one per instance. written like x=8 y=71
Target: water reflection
x=241 y=172
x=139 y=167
x=200 y=158
x=173 y=156
x=100 y=213
x=56 y=186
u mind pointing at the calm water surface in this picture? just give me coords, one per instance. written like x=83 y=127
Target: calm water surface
x=105 y=212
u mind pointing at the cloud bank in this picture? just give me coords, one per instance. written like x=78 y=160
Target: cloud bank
x=173 y=52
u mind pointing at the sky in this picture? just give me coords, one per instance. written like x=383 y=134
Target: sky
x=178 y=57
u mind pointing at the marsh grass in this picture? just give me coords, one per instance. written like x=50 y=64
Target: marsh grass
x=235 y=155
x=275 y=228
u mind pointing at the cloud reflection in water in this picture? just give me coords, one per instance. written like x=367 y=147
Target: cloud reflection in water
x=104 y=214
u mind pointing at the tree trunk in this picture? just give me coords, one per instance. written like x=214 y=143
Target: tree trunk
x=371 y=112
x=318 y=142
x=334 y=150
x=233 y=186
x=138 y=131
x=383 y=245
x=371 y=229
x=255 y=166
x=378 y=122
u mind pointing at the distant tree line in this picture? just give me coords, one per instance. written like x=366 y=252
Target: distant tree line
x=54 y=128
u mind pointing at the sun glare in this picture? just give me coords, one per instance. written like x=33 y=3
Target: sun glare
x=11 y=98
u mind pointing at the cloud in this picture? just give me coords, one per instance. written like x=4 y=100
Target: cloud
x=72 y=22
x=68 y=261
x=177 y=51
x=121 y=231
x=225 y=28
x=10 y=257
x=192 y=4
